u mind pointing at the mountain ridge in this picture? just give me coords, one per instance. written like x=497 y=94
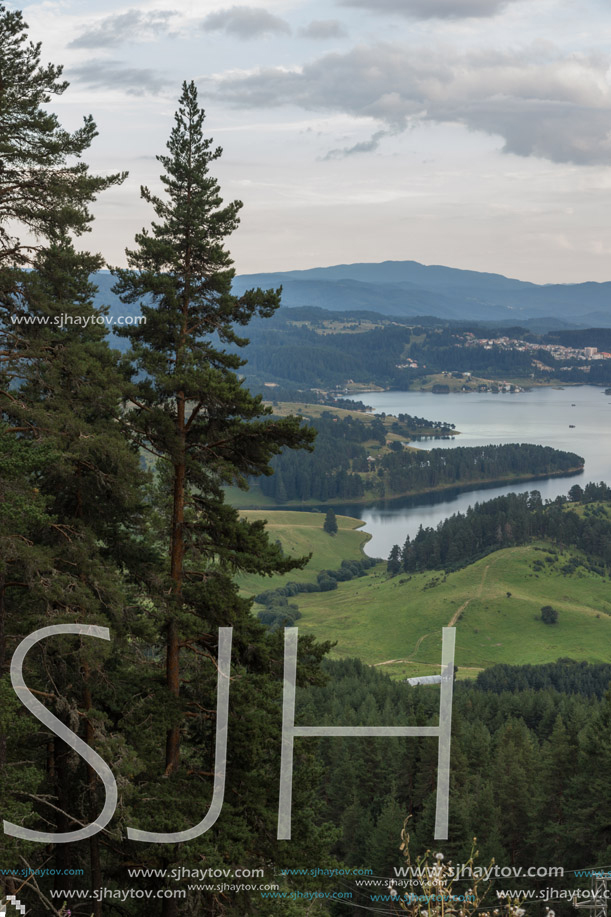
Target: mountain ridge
x=406 y=289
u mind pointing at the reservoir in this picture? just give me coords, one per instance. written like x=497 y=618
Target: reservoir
x=577 y=419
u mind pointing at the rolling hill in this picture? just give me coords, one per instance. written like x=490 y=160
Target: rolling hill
x=396 y=623
x=408 y=289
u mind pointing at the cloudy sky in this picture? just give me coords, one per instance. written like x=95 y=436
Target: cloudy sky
x=472 y=133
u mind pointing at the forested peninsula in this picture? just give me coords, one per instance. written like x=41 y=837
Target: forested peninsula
x=342 y=468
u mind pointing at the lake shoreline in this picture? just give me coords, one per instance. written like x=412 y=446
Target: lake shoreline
x=368 y=501
x=524 y=388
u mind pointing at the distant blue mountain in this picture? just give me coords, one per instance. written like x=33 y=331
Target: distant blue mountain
x=407 y=288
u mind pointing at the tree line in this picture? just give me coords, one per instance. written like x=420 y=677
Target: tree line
x=341 y=468
x=279 y=612
x=505 y=521
x=289 y=353
x=332 y=471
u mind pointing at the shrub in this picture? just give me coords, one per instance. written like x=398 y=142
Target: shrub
x=549 y=615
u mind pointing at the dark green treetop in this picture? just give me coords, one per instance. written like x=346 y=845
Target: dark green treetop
x=549 y=615
x=44 y=190
x=330 y=523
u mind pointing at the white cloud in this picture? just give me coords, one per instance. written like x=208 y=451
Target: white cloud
x=132 y=25
x=245 y=22
x=542 y=102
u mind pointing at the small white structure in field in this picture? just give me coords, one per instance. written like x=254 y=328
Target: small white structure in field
x=424 y=680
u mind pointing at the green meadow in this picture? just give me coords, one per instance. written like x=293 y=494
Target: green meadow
x=396 y=623
x=300 y=534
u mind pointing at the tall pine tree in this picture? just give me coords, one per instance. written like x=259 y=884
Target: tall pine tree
x=192 y=413
x=66 y=479
x=191 y=409
x=76 y=561
x=44 y=189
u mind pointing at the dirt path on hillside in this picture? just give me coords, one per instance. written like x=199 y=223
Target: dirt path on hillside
x=456 y=615
x=452 y=623
x=478 y=595
x=408 y=658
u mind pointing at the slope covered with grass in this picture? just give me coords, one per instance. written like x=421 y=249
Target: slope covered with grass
x=302 y=533
x=397 y=622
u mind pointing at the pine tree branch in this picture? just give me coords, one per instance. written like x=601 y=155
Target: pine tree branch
x=33 y=885
x=202 y=576
x=141 y=407
x=8 y=394
x=194 y=703
x=63 y=529
x=194 y=414
x=71 y=818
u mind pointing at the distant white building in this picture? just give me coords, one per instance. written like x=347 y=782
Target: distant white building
x=424 y=680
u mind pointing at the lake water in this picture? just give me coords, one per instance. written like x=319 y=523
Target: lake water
x=540 y=416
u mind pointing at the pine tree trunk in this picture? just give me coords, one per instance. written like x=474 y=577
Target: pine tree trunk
x=65 y=857
x=169 y=908
x=172 y=745
x=94 y=842
x=177 y=548
x=172 y=755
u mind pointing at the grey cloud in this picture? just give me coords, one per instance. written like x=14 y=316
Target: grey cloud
x=364 y=146
x=323 y=29
x=112 y=74
x=433 y=9
x=245 y=22
x=114 y=30
x=540 y=101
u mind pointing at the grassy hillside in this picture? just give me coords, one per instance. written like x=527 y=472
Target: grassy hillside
x=397 y=622
x=302 y=533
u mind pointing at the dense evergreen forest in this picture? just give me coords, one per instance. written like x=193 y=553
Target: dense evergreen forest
x=529 y=775
x=335 y=469
x=330 y=471
x=417 y=471
x=565 y=676
x=514 y=519
x=341 y=468
x=298 y=356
